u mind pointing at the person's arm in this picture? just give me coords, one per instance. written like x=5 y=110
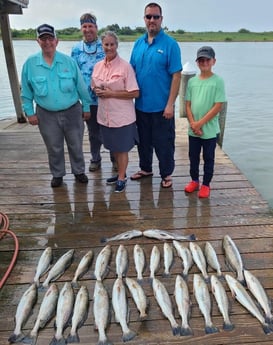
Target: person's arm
x=83 y=93
x=190 y=117
x=120 y=94
x=197 y=125
x=175 y=85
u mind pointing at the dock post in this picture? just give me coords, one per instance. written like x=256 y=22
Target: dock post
x=11 y=66
x=187 y=73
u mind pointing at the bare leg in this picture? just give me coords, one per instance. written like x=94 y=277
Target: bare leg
x=122 y=159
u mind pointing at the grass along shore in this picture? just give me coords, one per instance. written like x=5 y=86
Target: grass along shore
x=219 y=36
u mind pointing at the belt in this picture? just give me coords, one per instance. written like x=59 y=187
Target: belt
x=57 y=111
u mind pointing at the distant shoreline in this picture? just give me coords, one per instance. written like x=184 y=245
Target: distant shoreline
x=219 y=36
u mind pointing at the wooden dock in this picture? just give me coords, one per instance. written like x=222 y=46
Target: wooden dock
x=79 y=216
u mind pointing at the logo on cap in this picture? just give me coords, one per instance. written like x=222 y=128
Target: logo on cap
x=45 y=29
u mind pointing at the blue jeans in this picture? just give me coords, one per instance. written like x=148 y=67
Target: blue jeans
x=156 y=133
x=208 y=146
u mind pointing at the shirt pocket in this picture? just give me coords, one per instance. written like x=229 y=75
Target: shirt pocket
x=66 y=82
x=40 y=86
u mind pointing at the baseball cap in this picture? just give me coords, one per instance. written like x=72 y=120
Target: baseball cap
x=205 y=52
x=45 y=29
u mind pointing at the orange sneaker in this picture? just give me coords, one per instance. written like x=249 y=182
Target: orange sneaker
x=204 y=192
x=191 y=187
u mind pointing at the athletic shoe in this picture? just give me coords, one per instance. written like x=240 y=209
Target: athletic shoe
x=113 y=179
x=191 y=187
x=204 y=192
x=120 y=186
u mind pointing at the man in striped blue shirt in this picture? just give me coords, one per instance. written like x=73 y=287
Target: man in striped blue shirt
x=55 y=98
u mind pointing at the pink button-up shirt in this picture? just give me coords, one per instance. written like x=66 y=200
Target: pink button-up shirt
x=117 y=74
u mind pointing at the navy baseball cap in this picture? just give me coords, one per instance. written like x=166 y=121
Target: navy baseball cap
x=45 y=29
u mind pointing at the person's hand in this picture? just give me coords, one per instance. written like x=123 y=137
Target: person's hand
x=33 y=120
x=86 y=115
x=102 y=91
x=197 y=130
x=168 y=112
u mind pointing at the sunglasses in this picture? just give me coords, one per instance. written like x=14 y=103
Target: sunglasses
x=47 y=38
x=150 y=16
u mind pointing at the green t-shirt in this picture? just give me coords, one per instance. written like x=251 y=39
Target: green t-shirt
x=203 y=94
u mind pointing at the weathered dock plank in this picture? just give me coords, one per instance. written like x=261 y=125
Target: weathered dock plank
x=76 y=216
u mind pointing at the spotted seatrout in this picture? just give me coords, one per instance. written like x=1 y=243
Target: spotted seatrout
x=43 y=265
x=64 y=312
x=102 y=262
x=163 y=299
x=221 y=298
x=139 y=297
x=240 y=293
x=185 y=254
x=59 y=268
x=120 y=306
x=101 y=309
x=82 y=268
x=23 y=311
x=233 y=258
x=140 y=261
x=182 y=299
x=202 y=297
x=80 y=313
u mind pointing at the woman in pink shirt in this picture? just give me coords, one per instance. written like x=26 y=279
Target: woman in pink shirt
x=114 y=82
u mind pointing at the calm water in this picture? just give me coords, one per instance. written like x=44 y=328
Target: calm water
x=247 y=70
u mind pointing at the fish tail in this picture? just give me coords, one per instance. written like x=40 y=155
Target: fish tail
x=143 y=316
x=16 y=338
x=103 y=240
x=211 y=329
x=192 y=237
x=151 y=279
x=166 y=274
x=185 y=275
x=207 y=279
x=186 y=331
x=221 y=276
x=73 y=338
x=128 y=335
x=56 y=341
x=228 y=326
x=75 y=284
x=140 y=280
x=176 y=330
x=105 y=342
x=32 y=340
x=267 y=328
x=269 y=319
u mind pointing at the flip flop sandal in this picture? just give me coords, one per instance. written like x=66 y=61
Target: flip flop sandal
x=139 y=175
x=166 y=183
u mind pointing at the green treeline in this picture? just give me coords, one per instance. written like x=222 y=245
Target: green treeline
x=128 y=34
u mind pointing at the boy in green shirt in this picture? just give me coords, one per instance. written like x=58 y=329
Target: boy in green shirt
x=205 y=95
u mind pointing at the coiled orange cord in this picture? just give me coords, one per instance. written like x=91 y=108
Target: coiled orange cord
x=4 y=230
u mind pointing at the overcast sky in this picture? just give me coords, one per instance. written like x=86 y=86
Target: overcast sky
x=190 y=15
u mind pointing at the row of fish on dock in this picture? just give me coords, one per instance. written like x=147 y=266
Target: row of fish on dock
x=74 y=311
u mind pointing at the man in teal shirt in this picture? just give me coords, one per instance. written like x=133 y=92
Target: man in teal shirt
x=53 y=82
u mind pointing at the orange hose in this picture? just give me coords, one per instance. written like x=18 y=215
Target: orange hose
x=4 y=221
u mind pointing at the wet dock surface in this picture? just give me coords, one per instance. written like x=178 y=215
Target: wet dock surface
x=78 y=216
